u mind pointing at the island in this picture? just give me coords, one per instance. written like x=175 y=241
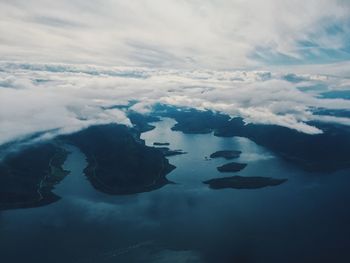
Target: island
x=227 y=154
x=241 y=182
x=167 y=152
x=161 y=144
x=119 y=162
x=231 y=167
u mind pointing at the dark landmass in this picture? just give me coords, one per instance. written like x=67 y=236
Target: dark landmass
x=174 y=152
x=119 y=162
x=141 y=122
x=240 y=182
x=231 y=167
x=27 y=178
x=192 y=121
x=161 y=144
x=326 y=152
x=227 y=154
x=167 y=152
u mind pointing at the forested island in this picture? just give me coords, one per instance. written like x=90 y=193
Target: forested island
x=28 y=176
x=227 y=154
x=231 y=167
x=241 y=182
x=119 y=162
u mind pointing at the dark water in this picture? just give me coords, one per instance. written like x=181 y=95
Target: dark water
x=306 y=219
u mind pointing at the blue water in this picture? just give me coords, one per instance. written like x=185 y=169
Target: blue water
x=304 y=220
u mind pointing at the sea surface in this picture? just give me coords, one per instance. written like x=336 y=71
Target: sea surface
x=306 y=219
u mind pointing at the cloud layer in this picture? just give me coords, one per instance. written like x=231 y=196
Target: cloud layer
x=217 y=34
x=60 y=98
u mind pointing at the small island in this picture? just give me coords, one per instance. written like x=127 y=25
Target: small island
x=167 y=152
x=231 y=167
x=227 y=154
x=161 y=144
x=240 y=182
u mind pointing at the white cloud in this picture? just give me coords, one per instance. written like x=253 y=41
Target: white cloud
x=168 y=33
x=58 y=98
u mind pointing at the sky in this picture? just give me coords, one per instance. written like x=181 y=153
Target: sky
x=215 y=34
x=269 y=61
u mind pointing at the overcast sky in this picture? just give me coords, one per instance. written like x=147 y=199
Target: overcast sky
x=212 y=34
x=268 y=61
